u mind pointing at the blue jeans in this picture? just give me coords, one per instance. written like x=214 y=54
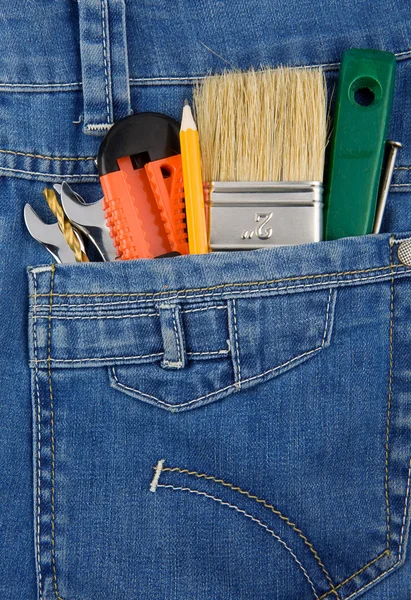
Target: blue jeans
x=232 y=426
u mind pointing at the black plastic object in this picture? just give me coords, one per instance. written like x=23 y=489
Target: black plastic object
x=145 y=137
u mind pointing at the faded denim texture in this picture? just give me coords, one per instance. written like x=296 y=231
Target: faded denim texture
x=234 y=426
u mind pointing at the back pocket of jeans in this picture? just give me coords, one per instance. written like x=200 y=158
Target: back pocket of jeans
x=205 y=350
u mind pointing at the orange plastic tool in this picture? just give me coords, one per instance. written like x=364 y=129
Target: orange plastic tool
x=143 y=191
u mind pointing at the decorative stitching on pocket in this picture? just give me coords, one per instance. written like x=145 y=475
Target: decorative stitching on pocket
x=401 y=550
x=231 y=285
x=273 y=290
x=53 y=461
x=106 y=72
x=223 y=389
x=266 y=505
x=235 y=354
x=389 y=398
x=243 y=512
x=38 y=417
x=58 y=158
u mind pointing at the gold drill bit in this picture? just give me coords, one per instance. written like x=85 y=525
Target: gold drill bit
x=65 y=225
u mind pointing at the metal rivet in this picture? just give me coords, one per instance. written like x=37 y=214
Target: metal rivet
x=404 y=252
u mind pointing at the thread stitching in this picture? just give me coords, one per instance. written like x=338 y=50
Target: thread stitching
x=266 y=505
x=59 y=158
x=339 y=585
x=53 y=557
x=179 y=360
x=211 y=352
x=237 y=384
x=182 y=293
x=401 y=550
x=157 y=472
x=70 y=360
x=237 y=350
x=74 y=360
x=243 y=512
x=234 y=284
x=223 y=389
x=327 y=314
x=129 y=316
x=404 y=517
x=75 y=176
x=38 y=491
x=103 y=22
x=389 y=398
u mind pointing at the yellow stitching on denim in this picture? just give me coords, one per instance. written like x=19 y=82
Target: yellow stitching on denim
x=404 y=517
x=182 y=293
x=59 y=158
x=235 y=284
x=386 y=551
x=38 y=416
x=356 y=573
x=74 y=360
x=243 y=512
x=266 y=505
x=364 y=587
x=53 y=557
x=389 y=398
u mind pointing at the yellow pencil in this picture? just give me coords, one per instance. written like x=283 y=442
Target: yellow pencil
x=193 y=184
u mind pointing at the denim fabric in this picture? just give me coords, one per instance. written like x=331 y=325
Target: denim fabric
x=234 y=426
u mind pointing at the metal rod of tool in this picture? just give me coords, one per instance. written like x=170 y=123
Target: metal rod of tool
x=392 y=150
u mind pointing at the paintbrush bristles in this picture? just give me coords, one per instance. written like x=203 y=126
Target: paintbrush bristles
x=266 y=125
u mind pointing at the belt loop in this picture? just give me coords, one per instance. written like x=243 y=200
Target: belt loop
x=104 y=63
x=172 y=331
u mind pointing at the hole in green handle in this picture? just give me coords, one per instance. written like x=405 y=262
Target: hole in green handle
x=365 y=92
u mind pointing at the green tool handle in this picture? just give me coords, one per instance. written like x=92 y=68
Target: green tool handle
x=360 y=124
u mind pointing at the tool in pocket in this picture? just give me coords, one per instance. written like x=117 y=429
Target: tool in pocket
x=139 y=163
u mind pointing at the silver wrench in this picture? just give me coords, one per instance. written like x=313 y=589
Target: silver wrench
x=50 y=236
x=89 y=219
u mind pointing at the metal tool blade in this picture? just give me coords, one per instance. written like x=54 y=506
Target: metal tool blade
x=89 y=219
x=50 y=236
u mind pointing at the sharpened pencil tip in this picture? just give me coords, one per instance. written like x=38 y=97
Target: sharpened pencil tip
x=186 y=102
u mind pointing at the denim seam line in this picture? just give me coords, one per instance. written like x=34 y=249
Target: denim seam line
x=106 y=70
x=273 y=291
x=113 y=316
x=237 y=384
x=53 y=461
x=266 y=505
x=233 y=341
x=52 y=158
x=401 y=552
x=389 y=398
x=36 y=361
x=149 y=296
x=38 y=453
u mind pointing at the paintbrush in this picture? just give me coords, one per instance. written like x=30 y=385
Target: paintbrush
x=262 y=138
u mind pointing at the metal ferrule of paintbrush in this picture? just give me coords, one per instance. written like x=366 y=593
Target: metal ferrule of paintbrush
x=250 y=215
